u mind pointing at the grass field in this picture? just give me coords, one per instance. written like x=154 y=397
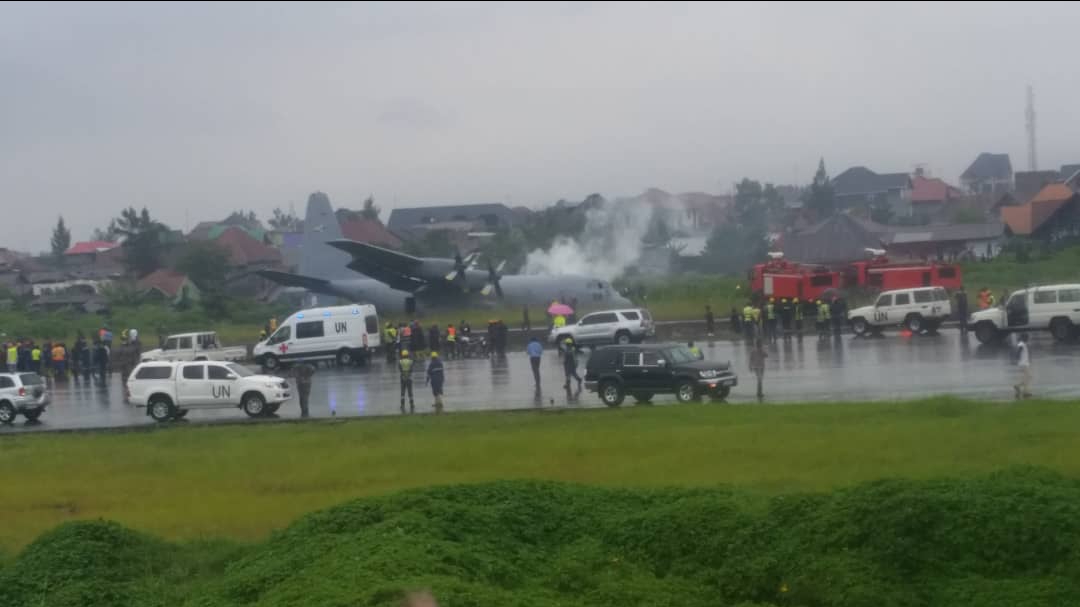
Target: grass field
x=242 y=482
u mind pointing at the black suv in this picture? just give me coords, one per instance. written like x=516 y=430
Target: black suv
x=646 y=369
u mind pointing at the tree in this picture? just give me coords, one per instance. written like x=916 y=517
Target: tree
x=207 y=265
x=109 y=234
x=731 y=248
x=749 y=206
x=143 y=240
x=820 y=198
x=61 y=240
x=370 y=211
x=286 y=221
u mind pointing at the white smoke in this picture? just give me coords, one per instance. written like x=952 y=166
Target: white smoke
x=610 y=243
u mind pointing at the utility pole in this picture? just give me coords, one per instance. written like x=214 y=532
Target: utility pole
x=1029 y=115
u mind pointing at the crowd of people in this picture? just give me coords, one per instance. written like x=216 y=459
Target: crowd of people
x=770 y=319
x=84 y=359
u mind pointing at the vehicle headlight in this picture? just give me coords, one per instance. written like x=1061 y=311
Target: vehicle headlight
x=271 y=385
x=708 y=374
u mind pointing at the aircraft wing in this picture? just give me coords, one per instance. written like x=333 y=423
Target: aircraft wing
x=395 y=270
x=388 y=277
x=316 y=285
x=399 y=262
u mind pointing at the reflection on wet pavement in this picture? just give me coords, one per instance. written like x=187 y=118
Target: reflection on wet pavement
x=885 y=368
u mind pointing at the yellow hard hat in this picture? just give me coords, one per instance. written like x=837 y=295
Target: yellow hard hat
x=818 y=301
x=404 y=352
x=796 y=300
x=568 y=341
x=434 y=354
x=772 y=299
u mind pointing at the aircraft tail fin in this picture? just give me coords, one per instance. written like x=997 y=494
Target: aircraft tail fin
x=317 y=258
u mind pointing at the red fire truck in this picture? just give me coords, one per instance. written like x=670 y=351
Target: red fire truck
x=781 y=278
x=785 y=279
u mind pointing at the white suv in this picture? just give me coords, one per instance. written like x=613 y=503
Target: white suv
x=917 y=310
x=608 y=327
x=1054 y=308
x=24 y=393
x=169 y=390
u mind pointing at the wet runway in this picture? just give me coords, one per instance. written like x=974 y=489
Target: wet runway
x=886 y=368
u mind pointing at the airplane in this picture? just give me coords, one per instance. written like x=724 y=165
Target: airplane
x=398 y=283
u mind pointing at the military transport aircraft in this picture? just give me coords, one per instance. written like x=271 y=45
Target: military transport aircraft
x=396 y=282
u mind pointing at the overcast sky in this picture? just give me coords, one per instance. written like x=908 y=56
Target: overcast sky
x=194 y=110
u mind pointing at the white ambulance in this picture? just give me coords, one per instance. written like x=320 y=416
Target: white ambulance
x=347 y=334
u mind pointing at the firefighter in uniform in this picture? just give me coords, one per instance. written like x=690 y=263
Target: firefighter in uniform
x=748 y=322
x=823 y=319
x=770 y=319
x=798 y=317
x=756 y=320
x=785 y=318
x=391 y=341
x=405 y=367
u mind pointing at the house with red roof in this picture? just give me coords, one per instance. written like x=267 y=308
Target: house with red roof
x=369 y=231
x=169 y=286
x=1051 y=214
x=931 y=196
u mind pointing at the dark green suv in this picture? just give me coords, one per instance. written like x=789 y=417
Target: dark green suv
x=642 y=370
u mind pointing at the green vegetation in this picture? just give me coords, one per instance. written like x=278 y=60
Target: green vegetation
x=1015 y=270
x=243 y=482
x=1005 y=539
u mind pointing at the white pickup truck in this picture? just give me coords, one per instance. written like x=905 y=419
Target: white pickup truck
x=169 y=390
x=193 y=346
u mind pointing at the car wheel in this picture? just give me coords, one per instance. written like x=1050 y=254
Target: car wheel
x=7 y=413
x=685 y=392
x=161 y=410
x=622 y=338
x=721 y=393
x=344 y=357
x=860 y=326
x=1061 y=329
x=914 y=323
x=986 y=333
x=611 y=393
x=33 y=414
x=270 y=362
x=254 y=404
x=643 y=397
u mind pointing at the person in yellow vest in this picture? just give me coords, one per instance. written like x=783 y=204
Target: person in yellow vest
x=694 y=350
x=390 y=336
x=12 y=357
x=405 y=367
x=748 y=323
x=560 y=321
x=35 y=359
x=759 y=329
x=822 y=319
x=273 y=324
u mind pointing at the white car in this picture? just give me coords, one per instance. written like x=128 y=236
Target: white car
x=608 y=327
x=1054 y=308
x=193 y=346
x=169 y=390
x=22 y=393
x=917 y=310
